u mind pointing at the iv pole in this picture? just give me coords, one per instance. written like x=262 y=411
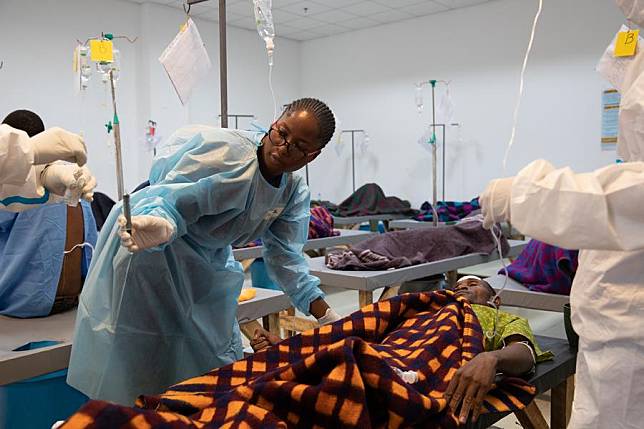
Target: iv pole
x=117 y=142
x=353 y=152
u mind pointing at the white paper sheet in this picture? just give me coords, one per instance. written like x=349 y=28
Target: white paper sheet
x=186 y=61
x=613 y=68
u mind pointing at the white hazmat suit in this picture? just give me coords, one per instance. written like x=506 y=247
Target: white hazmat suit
x=601 y=213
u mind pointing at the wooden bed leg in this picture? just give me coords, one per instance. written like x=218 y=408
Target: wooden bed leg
x=452 y=277
x=274 y=324
x=531 y=418
x=389 y=292
x=290 y=312
x=365 y=298
x=561 y=403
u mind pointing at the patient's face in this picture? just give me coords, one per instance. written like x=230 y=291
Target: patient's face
x=474 y=290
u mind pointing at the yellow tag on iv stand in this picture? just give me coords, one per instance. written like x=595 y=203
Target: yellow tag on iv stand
x=101 y=50
x=626 y=44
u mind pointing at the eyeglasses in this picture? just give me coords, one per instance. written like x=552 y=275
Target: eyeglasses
x=278 y=138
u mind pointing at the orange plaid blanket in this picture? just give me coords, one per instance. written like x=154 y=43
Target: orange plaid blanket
x=336 y=376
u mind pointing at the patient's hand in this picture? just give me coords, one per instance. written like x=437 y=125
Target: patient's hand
x=470 y=385
x=262 y=339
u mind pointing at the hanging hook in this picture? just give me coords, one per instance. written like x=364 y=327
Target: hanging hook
x=187 y=10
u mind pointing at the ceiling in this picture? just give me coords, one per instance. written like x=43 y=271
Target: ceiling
x=312 y=19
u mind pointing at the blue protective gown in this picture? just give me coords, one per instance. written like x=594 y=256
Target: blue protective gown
x=150 y=319
x=31 y=257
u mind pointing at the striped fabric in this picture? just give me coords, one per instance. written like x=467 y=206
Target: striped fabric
x=448 y=210
x=336 y=376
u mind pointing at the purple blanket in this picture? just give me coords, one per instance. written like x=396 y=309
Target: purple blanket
x=415 y=246
x=545 y=268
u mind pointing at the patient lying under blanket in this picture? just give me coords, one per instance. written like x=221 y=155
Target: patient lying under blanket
x=389 y=364
x=401 y=249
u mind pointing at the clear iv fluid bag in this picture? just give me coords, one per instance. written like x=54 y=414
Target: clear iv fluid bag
x=265 y=26
x=104 y=68
x=84 y=65
x=419 y=97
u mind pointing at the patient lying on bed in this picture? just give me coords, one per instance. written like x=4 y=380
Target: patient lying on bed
x=416 y=359
x=510 y=348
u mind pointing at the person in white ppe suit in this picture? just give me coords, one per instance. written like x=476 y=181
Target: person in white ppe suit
x=601 y=213
x=28 y=175
x=159 y=305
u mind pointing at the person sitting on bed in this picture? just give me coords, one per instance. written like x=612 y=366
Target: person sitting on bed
x=510 y=348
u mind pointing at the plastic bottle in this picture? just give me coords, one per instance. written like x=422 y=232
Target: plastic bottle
x=265 y=27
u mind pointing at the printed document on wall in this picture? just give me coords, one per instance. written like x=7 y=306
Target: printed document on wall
x=186 y=60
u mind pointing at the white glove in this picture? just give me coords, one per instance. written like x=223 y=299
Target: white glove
x=330 y=316
x=56 y=144
x=147 y=232
x=69 y=181
x=495 y=202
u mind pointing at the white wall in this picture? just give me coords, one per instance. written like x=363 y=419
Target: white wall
x=37 y=38
x=368 y=78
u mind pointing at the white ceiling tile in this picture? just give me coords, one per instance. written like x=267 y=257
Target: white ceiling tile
x=285 y=29
x=425 y=8
x=243 y=8
x=304 y=23
x=390 y=16
x=396 y=4
x=305 y=8
x=454 y=4
x=305 y=35
x=244 y=22
x=280 y=16
x=358 y=23
x=334 y=16
x=281 y=3
x=337 y=4
x=366 y=8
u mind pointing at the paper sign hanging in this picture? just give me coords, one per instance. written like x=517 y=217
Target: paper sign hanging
x=186 y=61
x=626 y=44
x=101 y=51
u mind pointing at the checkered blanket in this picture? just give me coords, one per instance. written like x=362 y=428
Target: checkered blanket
x=343 y=375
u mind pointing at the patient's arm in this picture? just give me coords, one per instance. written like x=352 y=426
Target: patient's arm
x=475 y=379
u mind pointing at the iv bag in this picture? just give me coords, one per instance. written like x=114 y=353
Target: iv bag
x=265 y=27
x=84 y=65
x=104 y=67
x=419 y=97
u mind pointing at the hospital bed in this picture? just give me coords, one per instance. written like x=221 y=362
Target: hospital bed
x=516 y=294
x=21 y=365
x=372 y=219
x=556 y=376
x=347 y=237
x=413 y=224
x=366 y=282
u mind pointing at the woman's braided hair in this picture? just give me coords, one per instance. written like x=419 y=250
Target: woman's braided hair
x=320 y=111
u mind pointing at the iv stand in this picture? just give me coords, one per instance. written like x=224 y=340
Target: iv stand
x=117 y=142
x=231 y=115
x=353 y=153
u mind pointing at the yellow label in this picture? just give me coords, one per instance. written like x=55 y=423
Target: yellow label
x=626 y=44
x=101 y=50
